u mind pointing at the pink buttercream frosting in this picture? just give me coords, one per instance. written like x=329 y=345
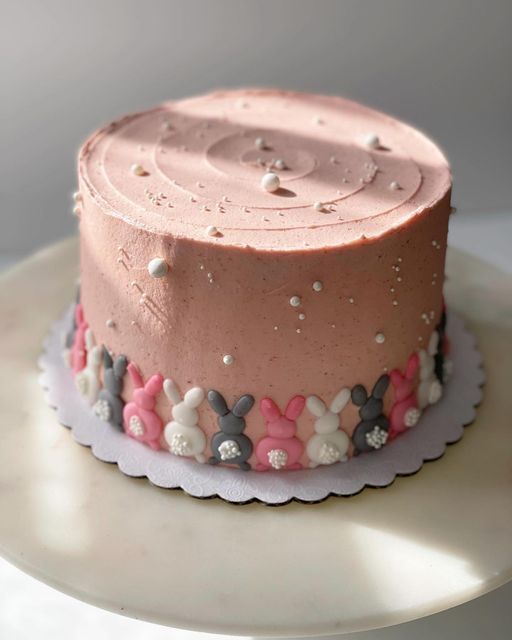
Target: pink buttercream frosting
x=368 y=224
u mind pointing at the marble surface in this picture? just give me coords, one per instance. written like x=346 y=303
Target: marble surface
x=378 y=559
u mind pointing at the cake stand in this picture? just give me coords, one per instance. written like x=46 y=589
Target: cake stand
x=424 y=544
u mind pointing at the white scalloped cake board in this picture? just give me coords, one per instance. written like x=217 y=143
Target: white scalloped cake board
x=440 y=425
x=422 y=545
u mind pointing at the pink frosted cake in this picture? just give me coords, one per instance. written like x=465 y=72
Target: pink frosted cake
x=261 y=278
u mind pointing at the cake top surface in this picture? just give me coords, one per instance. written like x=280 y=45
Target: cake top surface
x=197 y=168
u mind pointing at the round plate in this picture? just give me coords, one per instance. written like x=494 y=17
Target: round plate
x=382 y=557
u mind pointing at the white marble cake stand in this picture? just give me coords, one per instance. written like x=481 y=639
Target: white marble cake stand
x=383 y=557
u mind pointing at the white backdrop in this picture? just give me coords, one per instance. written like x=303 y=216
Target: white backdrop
x=69 y=66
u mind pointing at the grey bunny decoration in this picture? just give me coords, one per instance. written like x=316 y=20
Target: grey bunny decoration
x=230 y=445
x=109 y=406
x=372 y=431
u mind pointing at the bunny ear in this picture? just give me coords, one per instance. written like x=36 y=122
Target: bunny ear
x=269 y=410
x=243 y=405
x=433 y=343
x=340 y=400
x=154 y=385
x=295 y=407
x=171 y=391
x=89 y=340
x=135 y=376
x=79 y=314
x=107 y=358
x=95 y=355
x=316 y=406
x=120 y=366
x=217 y=402
x=412 y=366
x=359 y=395
x=194 y=397
x=381 y=386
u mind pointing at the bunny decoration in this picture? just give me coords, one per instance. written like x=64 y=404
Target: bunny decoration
x=109 y=406
x=280 y=448
x=430 y=389
x=67 y=342
x=78 y=350
x=140 y=419
x=329 y=444
x=372 y=431
x=230 y=445
x=87 y=380
x=405 y=412
x=183 y=434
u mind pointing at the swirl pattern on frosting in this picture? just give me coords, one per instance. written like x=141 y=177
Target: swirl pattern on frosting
x=203 y=167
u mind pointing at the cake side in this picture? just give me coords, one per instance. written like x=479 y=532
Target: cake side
x=314 y=307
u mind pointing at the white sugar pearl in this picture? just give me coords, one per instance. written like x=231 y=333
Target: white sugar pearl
x=280 y=164
x=394 y=186
x=211 y=230
x=317 y=285
x=227 y=359
x=138 y=170
x=77 y=196
x=380 y=338
x=110 y=323
x=270 y=182
x=76 y=210
x=158 y=268
x=372 y=141
x=318 y=206
x=302 y=316
x=259 y=143
x=295 y=301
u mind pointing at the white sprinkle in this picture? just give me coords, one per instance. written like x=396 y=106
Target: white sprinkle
x=157 y=268
x=434 y=243
x=394 y=186
x=392 y=289
x=318 y=120
x=298 y=330
x=211 y=230
x=333 y=160
x=110 y=323
x=395 y=303
x=295 y=301
x=399 y=279
x=76 y=210
x=270 y=182
x=276 y=328
x=227 y=359
x=138 y=170
x=279 y=164
x=317 y=285
x=380 y=338
x=351 y=300
x=318 y=206
x=302 y=316
x=372 y=141
x=399 y=259
x=259 y=143
x=77 y=196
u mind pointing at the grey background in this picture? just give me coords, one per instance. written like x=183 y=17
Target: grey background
x=68 y=67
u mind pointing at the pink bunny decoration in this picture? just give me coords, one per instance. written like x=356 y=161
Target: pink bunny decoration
x=405 y=412
x=280 y=448
x=78 y=357
x=140 y=420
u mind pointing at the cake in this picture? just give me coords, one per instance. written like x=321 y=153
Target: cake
x=261 y=279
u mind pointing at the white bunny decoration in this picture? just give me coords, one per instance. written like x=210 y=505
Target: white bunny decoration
x=183 y=435
x=429 y=389
x=87 y=380
x=329 y=444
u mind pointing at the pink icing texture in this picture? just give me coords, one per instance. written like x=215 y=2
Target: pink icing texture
x=377 y=250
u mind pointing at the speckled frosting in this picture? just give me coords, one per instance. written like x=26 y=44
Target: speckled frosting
x=329 y=282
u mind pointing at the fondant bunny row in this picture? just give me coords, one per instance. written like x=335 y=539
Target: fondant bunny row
x=279 y=448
